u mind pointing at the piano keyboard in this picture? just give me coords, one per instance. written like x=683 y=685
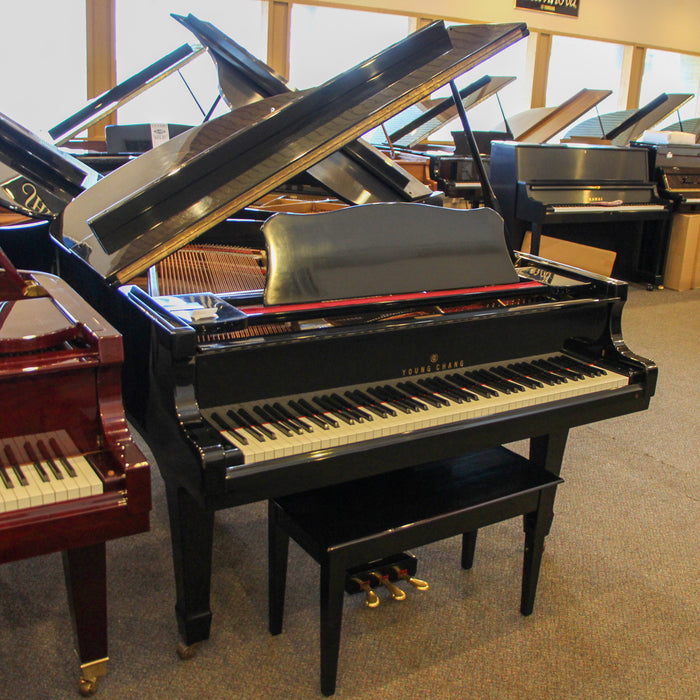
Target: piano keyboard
x=43 y=468
x=597 y=209
x=287 y=426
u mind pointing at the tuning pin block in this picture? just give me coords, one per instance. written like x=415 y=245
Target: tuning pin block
x=417 y=583
x=396 y=592
x=372 y=599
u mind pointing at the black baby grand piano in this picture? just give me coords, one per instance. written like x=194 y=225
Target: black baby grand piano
x=347 y=344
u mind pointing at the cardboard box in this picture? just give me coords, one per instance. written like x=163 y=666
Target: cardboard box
x=586 y=257
x=683 y=260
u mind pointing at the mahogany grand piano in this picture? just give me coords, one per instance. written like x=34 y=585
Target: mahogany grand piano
x=222 y=321
x=71 y=477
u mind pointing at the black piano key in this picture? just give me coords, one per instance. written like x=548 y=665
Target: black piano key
x=309 y=413
x=462 y=380
x=544 y=376
x=270 y=418
x=411 y=403
x=434 y=400
x=379 y=393
x=256 y=424
x=353 y=407
x=58 y=455
x=281 y=420
x=344 y=408
x=248 y=426
x=41 y=472
x=294 y=420
x=511 y=374
x=5 y=478
x=433 y=385
x=494 y=382
x=549 y=367
x=327 y=405
x=46 y=456
x=51 y=464
x=16 y=468
x=374 y=405
x=230 y=429
x=582 y=367
x=329 y=420
x=452 y=390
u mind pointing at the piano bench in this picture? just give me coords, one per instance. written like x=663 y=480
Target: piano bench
x=349 y=524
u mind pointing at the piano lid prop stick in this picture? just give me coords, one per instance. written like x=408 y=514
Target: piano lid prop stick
x=489 y=195
x=28 y=288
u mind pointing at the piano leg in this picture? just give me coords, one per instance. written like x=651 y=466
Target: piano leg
x=468 y=548
x=547 y=451
x=86 y=584
x=537 y=527
x=192 y=535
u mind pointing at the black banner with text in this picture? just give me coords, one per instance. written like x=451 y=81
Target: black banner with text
x=557 y=7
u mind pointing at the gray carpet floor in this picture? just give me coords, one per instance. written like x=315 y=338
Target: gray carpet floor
x=617 y=612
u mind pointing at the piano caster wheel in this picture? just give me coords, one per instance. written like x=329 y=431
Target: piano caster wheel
x=186 y=652
x=88 y=686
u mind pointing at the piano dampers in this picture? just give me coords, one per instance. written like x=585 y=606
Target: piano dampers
x=216 y=269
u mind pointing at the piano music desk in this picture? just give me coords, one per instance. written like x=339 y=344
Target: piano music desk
x=356 y=522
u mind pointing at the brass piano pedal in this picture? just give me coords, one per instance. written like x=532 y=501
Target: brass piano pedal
x=90 y=674
x=371 y=598
x=396 y=592
x=417 y=583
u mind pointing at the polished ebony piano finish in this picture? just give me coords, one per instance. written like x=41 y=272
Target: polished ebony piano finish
x=195 y=355
x=596 y=195
x=358 y=173
x=71 y=477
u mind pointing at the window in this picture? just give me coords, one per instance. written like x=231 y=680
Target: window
x=576 y=64
x=326 y=41
x=145 y=32
x=44 y=62
x=669 y=72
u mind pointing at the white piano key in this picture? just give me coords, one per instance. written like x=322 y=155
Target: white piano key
x=405 y=423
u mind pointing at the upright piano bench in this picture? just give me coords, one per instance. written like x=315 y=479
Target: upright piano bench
x=350 y=524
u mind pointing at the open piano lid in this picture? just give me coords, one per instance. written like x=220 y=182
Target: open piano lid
x=628 y=125
x=58 y=176
x=356 y=174
x=418 y=122
x=154 y=205
x=112 y=99
x=540 y=125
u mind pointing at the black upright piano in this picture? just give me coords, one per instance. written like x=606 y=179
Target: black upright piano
x=251 y=368
x=601 y=196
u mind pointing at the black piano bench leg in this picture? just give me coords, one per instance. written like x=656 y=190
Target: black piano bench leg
x=468 y=548
x=85 y=572
x=192 y=536
x=278 y=549
x=537 y=527
x=332 y=597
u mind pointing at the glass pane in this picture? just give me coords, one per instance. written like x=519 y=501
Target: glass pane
x=326 y=41
x=666 y=71
x=44 y=59
x=145 y=32
x=514 y=97
x=576 y=64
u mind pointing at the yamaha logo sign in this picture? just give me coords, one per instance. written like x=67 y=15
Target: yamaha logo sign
x=556 y=7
